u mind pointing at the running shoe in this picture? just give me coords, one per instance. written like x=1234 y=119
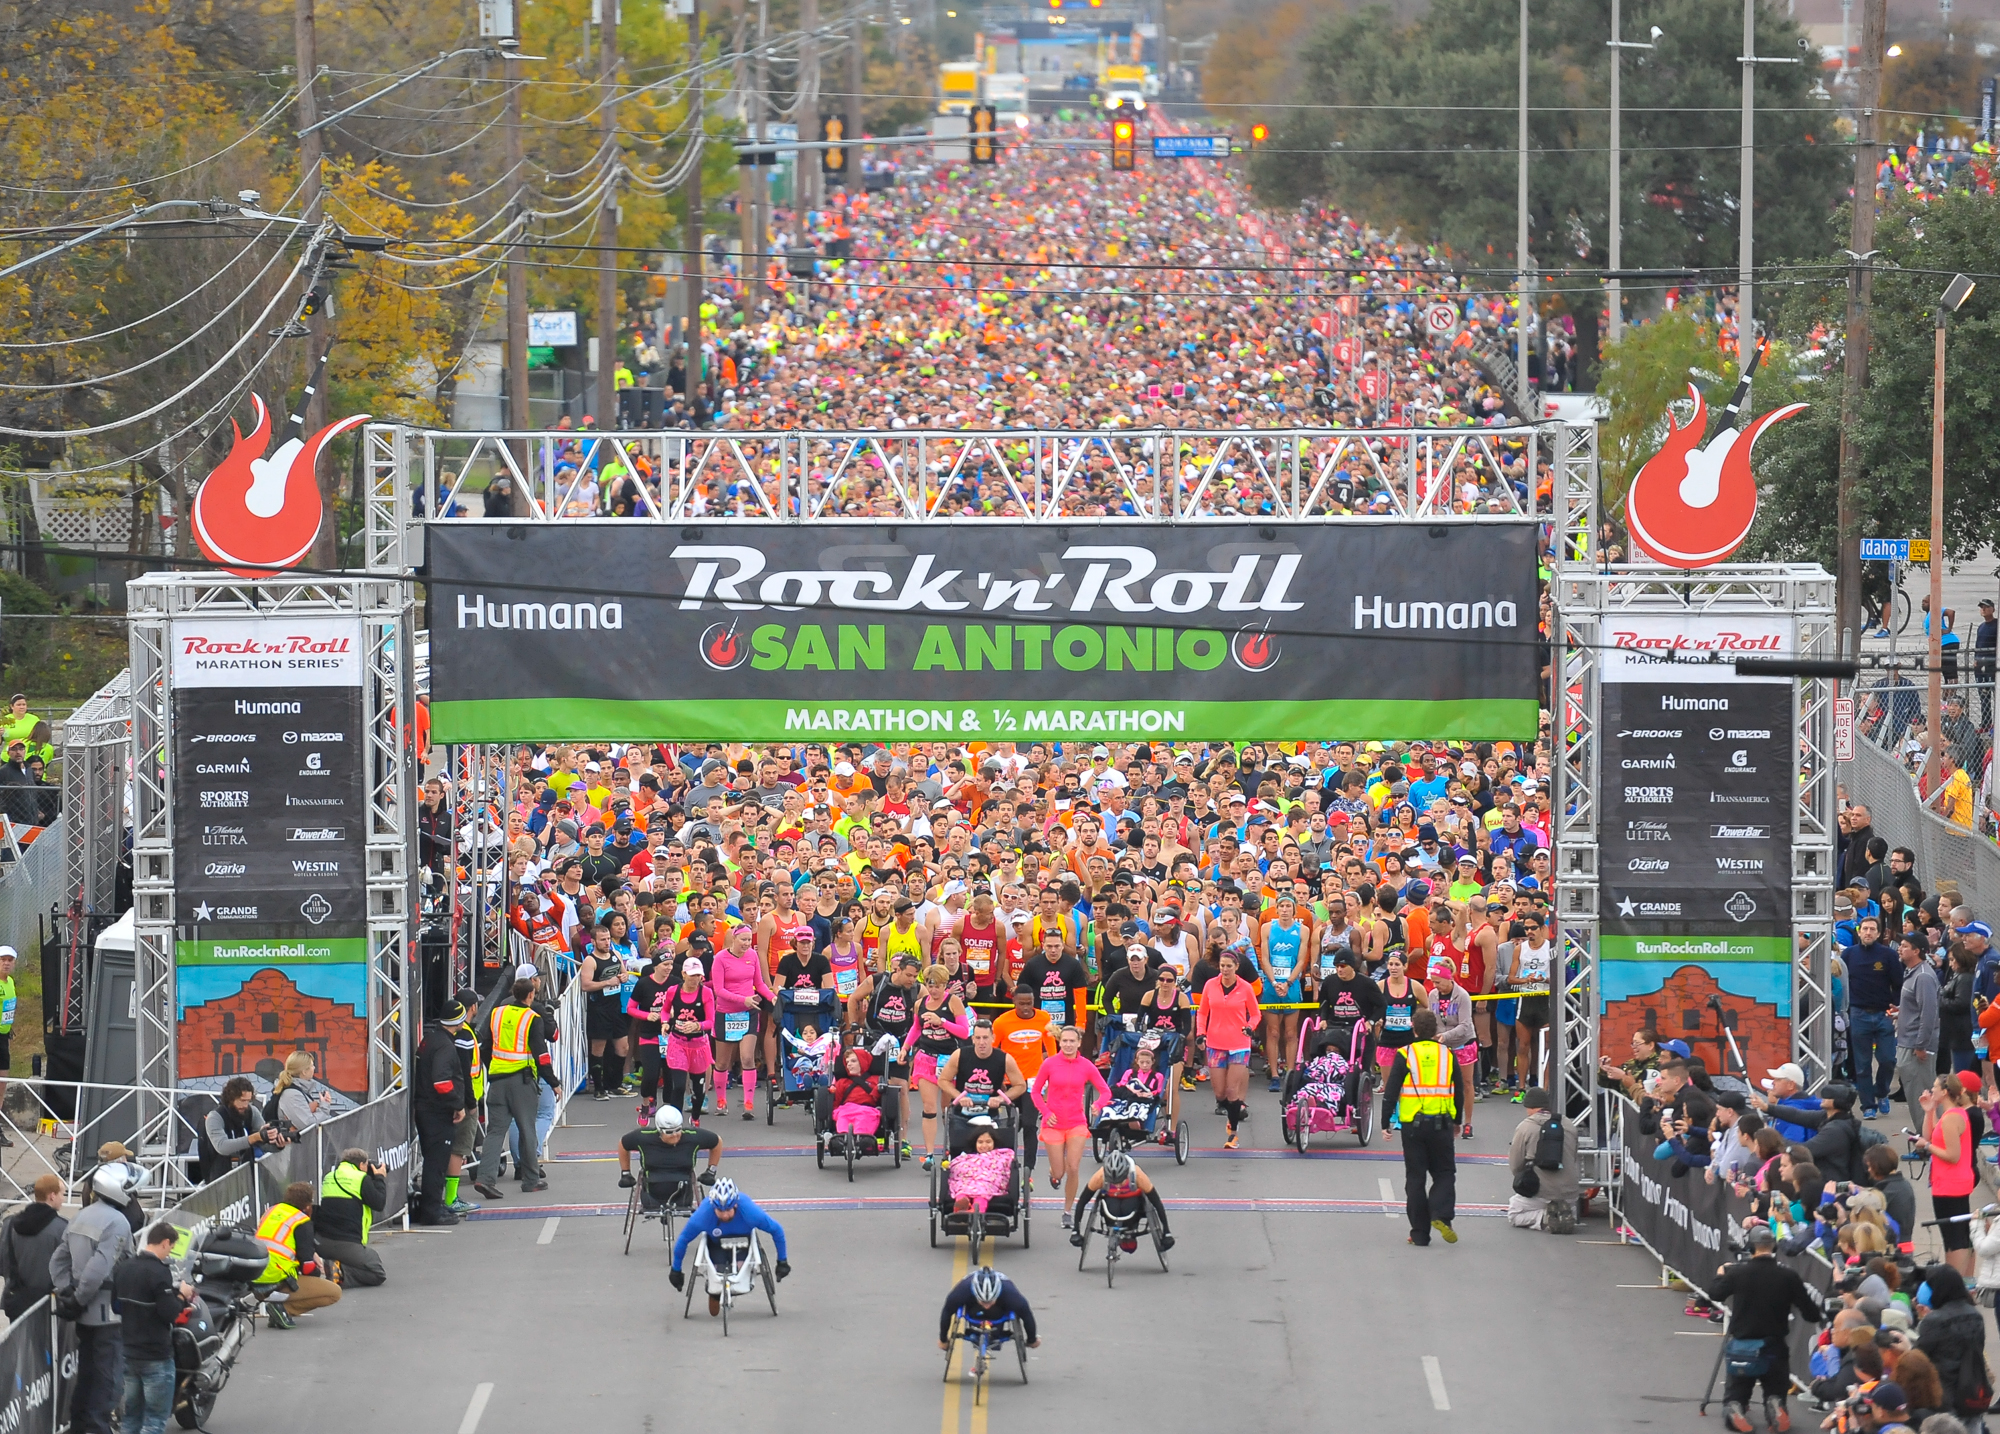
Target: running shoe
x=1515 y=1097
x=748 y=1113
x=1274 y=1085
x=1230 y=1144
x=1201 y=1075
x=930 y=1160
x=1466 y=1134
x=1055 y=1182
x=1187 y=1081
x=463 y=1207
x=903 y=1150
x=1069 y=1221
x=1443 y=1227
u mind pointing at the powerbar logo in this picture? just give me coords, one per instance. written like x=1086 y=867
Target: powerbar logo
x=1725 y=832
x=1649 y=796
x=316 y=834
x=1693 y=946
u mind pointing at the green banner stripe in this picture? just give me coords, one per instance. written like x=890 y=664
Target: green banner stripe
x=1695 y=948
x=572 y=719
x=273 y=951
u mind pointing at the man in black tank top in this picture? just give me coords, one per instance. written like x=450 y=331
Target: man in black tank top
x=978 y=1078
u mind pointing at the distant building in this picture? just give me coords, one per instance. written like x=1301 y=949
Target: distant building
x=266 y=1020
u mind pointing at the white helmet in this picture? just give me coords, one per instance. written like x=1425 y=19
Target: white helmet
x=667 y=1119
x=986 y=1283
x=117 y=1181
x=722 y=1195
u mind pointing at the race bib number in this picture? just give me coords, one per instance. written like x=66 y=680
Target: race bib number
x=1057 y=1007
x=981 y=962
x=1281 y=974
x=1398 y=1020
x=736 y=1025
x=846 y=982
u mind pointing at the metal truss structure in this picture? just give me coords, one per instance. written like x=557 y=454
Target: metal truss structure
x=1586 y=599
x=97 y=756
x=1156 y=475
x=384 y=608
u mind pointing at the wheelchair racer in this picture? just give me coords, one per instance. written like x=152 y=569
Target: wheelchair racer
x=986 y=1297
x=726 y=1211
x=667 y=1146
x=1123 y=1187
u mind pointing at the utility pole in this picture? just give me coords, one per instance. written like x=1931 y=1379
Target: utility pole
x=1522 y=262
x=305 y=44
x=691 y=262
x=1615 y=298
x=517 y=270
x=857 y=57
x=607 y=226
x=1860 y=284
x=760 y=184
x=806 y=165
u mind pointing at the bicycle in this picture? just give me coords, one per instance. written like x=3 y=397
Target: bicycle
x=987 y=1337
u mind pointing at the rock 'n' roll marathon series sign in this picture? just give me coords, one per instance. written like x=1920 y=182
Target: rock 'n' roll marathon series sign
x=981 y=631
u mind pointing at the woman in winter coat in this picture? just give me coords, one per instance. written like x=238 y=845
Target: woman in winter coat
x=1953 y=1334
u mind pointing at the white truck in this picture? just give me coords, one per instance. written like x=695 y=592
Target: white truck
x=1123 y=87
x=1008 y=94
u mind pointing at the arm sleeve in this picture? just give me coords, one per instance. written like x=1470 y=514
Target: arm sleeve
x=962 y=1027
x=707 y=1009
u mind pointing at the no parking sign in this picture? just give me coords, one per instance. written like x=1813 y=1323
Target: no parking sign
x=1441 y=323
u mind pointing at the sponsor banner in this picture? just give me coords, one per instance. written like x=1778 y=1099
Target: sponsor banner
x=382 y=1128
x=266 y=652
x=1701 y=949
x=270 y=799
x=272 y=952
x=1665 y=647
x=227 y=1200
x=1697 y=789
x=733 y=630
x=1690 y=1223
x=37 y=1372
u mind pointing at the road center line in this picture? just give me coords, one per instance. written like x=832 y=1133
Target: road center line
x=548 y=1234
x=1388 y=1197
x=470 y=1423
x=1434 y=1376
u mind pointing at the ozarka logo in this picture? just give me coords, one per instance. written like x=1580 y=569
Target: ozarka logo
x=722 y=649
x=1254 y=649
x=255 y=514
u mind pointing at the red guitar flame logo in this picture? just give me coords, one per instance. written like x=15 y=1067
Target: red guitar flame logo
x=1691 y=506
x=254 y=515
x=1253 y=649
x=721 y=650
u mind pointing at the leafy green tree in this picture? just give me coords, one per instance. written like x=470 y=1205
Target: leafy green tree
x=1414 y=123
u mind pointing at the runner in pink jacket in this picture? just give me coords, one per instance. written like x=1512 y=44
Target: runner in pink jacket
x=1061 y=1088
x=741 y=995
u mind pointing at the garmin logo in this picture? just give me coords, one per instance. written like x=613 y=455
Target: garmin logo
x=1649 y=764
x=1649 y=796
x=1648 y=863
x=480 y=611
x=1739 y=863
x=1671 y=703
x=1739 y=734
x=1379 y=612
x=1726 y=832
x=225 y=799
x=240 y=768
x=267 y=709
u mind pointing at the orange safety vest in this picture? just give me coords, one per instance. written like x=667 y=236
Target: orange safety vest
x=510 y=1039
x=1427 y=1088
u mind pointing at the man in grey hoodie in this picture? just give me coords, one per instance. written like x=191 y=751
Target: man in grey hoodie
x=80 y=1271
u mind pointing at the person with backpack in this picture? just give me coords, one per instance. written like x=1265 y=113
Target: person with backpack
x=1542 y=1159
x=1841 y=1140
x=1953 y=1336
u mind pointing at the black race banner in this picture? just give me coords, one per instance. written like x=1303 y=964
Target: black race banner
x=985 y=630
x=37 y=1375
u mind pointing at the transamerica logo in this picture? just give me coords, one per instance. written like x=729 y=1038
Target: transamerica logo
x=1731 y=798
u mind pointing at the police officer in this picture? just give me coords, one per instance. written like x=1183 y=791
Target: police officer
x=515 y=1047
x=442 y=1100
x=1423 y=1091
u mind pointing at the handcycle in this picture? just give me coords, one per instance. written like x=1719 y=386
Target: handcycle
x=744 y=1263
x=986 y=1338
x=1128 y=1223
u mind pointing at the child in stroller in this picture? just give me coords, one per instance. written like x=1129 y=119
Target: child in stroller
x=983 y=1174
x=857 y=1099
x=1325 y=1081
x=1136 y=1098
x=812 y=1066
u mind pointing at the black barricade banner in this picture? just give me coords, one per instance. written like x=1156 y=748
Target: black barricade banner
x=382 y=1128
x=991 y=630
x=1689 y=1223
x=33 y=1389
x=229 y=1200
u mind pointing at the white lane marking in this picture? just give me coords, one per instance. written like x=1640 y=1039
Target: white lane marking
x=470 y=1423
x=548 y=1230
x=1388 y=1197
x=1433 y=1376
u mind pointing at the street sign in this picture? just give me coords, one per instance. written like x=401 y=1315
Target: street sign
x=1885 y=550
x=1843 y=729
x=1190 y=146
x=1441 y=322
x=1920 y=550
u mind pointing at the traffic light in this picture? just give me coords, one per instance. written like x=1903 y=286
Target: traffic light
x=1258 y=134
x=985 y=142
x=833 y=132
x=1123 y=153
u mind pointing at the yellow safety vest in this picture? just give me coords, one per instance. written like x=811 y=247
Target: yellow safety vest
x=21 y=729
x=275 y=1235
x=345 y=1180
x=478 y=1073
x=510 y=1039
x=1427 y=1087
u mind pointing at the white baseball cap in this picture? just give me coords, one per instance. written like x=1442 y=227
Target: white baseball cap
x=526 y=971
x=1788 y=1071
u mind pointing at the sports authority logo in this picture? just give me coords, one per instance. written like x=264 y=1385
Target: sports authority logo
x=1693 y=505
x=722 y=649
x=255 y=514
x=1649 y=796
x=1254 y=649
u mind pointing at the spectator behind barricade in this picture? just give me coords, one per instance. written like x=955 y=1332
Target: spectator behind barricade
x=354 y=1195
x=235 y=1132
x=27 y=1239
x=1732 y=1137
x=1899 y=1197
x=1784 y=1086
x=302 y=1102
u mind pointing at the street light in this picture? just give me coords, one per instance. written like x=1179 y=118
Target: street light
x=1617 y=301
x=1954 y=297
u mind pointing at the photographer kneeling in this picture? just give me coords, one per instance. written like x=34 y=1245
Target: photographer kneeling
x=1761 y=1294
x=351 y=1197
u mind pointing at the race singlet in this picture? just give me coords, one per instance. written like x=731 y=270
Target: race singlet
x=982 y=947
x=1054 y=995
x=846 y=969
x=1284 y=945
x=1400 y=1009
x=1534 y=965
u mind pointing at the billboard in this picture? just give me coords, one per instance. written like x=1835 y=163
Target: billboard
x=982 y=631
x=270 y=802
x=1695 y=836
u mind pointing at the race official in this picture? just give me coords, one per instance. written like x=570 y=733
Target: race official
x=515 y=1048
x=442 y=1100
x=1423 y=1093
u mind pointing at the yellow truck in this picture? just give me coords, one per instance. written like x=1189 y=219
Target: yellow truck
x=1123 y=87
x=958 y=87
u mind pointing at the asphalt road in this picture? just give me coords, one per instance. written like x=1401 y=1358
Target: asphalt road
x=1292 y=1295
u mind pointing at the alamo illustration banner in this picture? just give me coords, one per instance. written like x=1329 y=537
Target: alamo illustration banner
x=989 y=631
